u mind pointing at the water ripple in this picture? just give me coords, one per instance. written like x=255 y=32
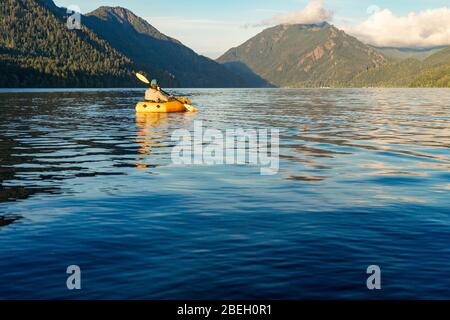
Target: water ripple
x=364 y=179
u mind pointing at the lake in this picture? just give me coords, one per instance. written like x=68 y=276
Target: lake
x=363 y=179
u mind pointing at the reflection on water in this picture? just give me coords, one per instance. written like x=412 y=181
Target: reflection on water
x=148 y=136
x=364 y=178
x=154 y=136
x=65 y=136
x=7 y=220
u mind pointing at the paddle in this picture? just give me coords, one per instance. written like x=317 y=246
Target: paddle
x=187 y=106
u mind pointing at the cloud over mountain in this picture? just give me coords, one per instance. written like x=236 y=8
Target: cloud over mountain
x=422 y=29
x=314 y=12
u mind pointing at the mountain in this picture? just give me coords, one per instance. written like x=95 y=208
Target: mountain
x=399 y=54
x=432 y=71
x=436 y=71
x=305 y=56
x=392 y=74
x=38 y=50
x=246 y=74
x=142 y=43
x=439 y=58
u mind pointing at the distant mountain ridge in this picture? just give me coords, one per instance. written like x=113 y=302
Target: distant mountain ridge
x=398 y=54
x=38 y=50
x=130 y=20
x=433 y=71
x=305 y=56
x=318 y=55
x=142 y=43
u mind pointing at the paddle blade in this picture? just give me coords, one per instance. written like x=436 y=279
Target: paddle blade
x=142 y=78
x=190 y=108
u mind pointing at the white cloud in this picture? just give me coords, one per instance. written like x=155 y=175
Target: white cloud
x=314 y=12
x=382 y=28
x=423 y=29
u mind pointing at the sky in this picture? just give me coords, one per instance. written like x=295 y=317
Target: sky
x=211 y=27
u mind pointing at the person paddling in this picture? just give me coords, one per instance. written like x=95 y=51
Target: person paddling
x=155 y=94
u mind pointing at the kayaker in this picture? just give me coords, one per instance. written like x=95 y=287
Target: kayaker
x=154 y=93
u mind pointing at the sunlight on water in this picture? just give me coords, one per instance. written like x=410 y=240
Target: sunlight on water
x=364 y=179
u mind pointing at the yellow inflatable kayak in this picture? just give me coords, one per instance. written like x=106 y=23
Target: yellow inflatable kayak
x=163 y=107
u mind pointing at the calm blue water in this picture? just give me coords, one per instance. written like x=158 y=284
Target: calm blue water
x=364 y=179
